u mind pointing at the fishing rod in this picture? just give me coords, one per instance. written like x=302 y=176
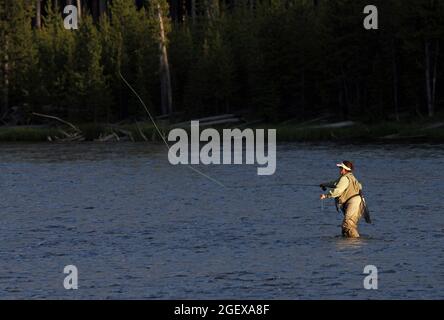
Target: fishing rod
x=307 y=185
x=302 y=185
x=279 y=185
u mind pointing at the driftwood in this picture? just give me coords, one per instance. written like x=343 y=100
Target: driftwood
x=107 y=138
x=58 y=119
x=434 y=126
x=213 y=118
x=77 y=136
x=218 y=122
x=104 y=138
x=129 y=134
x=209 y=121
x=141 y=132
x=168 y=116
x=117 y=134
x=290 y=121
x=202 y=120
x=398 y=136
x=125 y=133
x=335 y=125
x=248 y=124
x=66 y=136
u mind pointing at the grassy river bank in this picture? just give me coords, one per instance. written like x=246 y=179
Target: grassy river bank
x=382 y=132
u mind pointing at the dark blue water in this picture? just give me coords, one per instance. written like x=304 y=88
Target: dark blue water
x=137 y=227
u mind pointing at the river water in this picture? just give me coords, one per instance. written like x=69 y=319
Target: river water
x=138 y=228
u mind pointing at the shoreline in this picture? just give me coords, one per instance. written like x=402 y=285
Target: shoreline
x=384 y=133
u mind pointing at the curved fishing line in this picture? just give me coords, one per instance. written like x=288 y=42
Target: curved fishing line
x=162 y=136
x=146 y=109
x=205 y=175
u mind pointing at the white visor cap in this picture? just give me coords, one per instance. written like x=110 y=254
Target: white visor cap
x=342 y=165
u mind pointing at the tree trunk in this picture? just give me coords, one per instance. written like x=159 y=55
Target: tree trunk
x=102 y=6
x=215 y=8
x=5 y=107
x=95 y=9
x=303 y=90
x=184 y=12
x=38 y=15
x=193 y=10
x=395 y=81
x=165 y=77
x=435 y=70
x=346 y=100
x=429 y=94
x=341 y=101
x=79 y=10
x=208 y=9
x=174 y=10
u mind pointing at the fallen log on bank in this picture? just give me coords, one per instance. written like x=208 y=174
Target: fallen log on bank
x=106 y=138
x=74 y=136
x=210 y=121
x=336 y=125
x=399 y=137
x=141 y=132
x=58 y=119
x=305 y=123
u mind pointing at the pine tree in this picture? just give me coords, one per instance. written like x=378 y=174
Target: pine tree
x=182 y=53
x=89 y=81
x=132 y=49
x=17 y=53
x=55 y=65
x=422 y=36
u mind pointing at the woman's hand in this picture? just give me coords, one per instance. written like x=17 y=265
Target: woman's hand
x=323 y=196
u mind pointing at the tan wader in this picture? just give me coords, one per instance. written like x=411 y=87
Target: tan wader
x=351 y=203
x=352 y=213
x=352 y=206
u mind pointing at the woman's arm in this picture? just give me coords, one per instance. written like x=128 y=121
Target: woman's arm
x=329 y=184
x=340 y=187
